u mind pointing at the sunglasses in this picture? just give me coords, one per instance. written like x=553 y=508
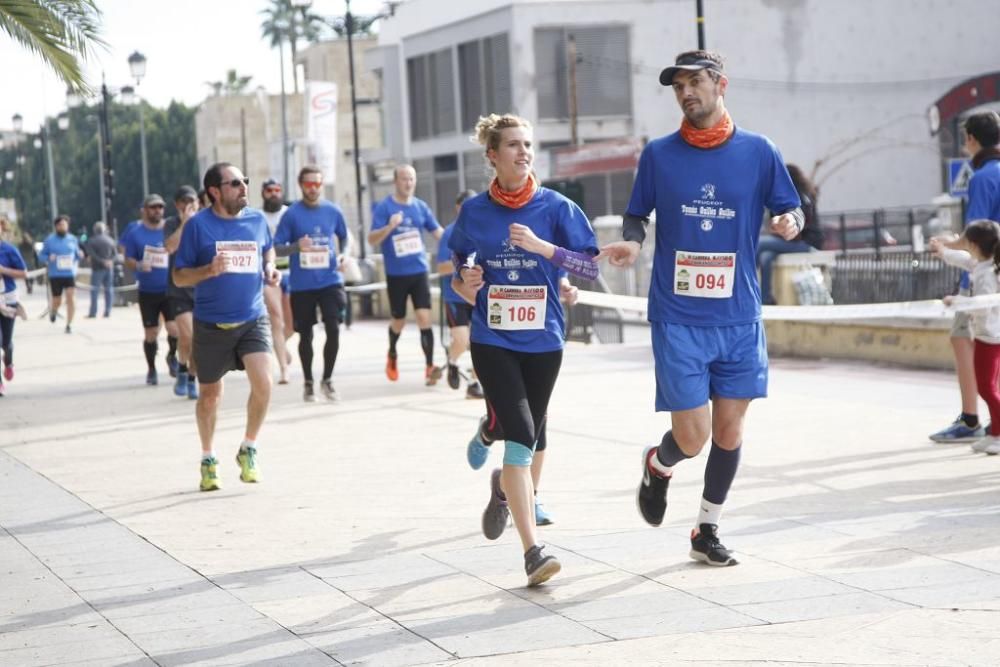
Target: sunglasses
x=273 y=190
x=236 y=182
x=155 y=206
x=312 y=184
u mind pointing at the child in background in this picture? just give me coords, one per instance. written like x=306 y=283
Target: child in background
x=977 y=250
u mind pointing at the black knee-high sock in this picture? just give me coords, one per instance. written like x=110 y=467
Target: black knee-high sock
x=150 y=351
x=306 y=353
x=669 y=453
x=172 y=343
x=330 y=349
x=393 y=338
x=720 y=471
x=427 y=343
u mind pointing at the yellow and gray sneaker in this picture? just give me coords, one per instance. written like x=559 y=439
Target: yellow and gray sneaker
x=209 y=480
x=247 y=458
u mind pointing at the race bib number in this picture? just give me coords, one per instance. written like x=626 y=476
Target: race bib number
x=315 y=259
x=243 y=256
x=514 y=308
x=156 y=257
x=408 y=243
x=708 y=275
x=64 y=262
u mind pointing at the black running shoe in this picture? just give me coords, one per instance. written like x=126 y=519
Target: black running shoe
x=651 y=496
x=706 y=547
x=453 y=380
x=474 y=391
x=172 y=364
x=308 y=394
x=151 y=378
x=539 y=567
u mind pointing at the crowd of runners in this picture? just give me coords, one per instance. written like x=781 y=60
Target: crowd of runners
x=230 y=284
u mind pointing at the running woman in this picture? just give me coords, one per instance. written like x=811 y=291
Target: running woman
x=146 y=255
x=510 y=246
x=180 y=300
x=12 y=267
x=710 y=184
x=62 y=253
x=226 y=254
x=313 y=230
x=457 y=311
x=274 y=208
x=397 y=223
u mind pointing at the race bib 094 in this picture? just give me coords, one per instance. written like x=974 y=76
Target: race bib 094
x=708 y=275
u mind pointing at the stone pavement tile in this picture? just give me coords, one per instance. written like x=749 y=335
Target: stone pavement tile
x=74 y=633
x=667 y=622
x=186 y=619
x=381 y=644
x=111 y=648
x=806 y=609
x=159 y=598
x=511 y=630
x=449 y=596
x=165 y=570
x=55 y=606
x=793 y=588
x=891 y=569
x=384 y=572
x=982 y=593
x=650 y=598
x=272 y=584
x=502 y=565
x=276 y=647
x=319 y=613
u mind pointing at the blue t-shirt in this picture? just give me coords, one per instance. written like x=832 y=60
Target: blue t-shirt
x=67 y=255
x=234 y=296
x=322 y=223
x=709 y=208
x=140 y=240
x=519 y=284
x=128 y=230
x=984 y=199
x=10 y=257
x=444 y=255
x=403 y=251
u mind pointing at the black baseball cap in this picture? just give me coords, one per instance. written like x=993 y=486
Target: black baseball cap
x=688 y=62
x=186 y=192
x=268 y=183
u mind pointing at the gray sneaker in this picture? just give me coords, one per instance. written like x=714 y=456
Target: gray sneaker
x=496 y=513
x=539 y=567
x=308 y=394
x=326 y=386
x=988 y=444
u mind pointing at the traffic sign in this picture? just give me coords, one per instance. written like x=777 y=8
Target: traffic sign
x=959 y=173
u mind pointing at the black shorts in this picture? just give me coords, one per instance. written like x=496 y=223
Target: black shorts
x=151 y=306
x=459 y=314
x=181 y=300
x=415 y=286
x=330 y=300
x=59 y=284
x=217 y=351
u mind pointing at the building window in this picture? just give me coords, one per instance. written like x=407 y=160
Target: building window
x=602 y=71
x=431 y=82
x=484 y=75
x=478 y=172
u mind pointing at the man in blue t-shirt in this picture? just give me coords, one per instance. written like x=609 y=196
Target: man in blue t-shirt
x=12 y=267
x=457 y=311
x=226 y=254
x=982 y=144
x=313 y=232
x=710 y=184
x=397 y=223
x=61 y=252
x=147 y=256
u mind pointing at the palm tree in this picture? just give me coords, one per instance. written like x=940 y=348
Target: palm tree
x=233 y=85
x=285 y=23
x=63 y=33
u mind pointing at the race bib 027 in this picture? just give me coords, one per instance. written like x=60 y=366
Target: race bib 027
x=243 y=256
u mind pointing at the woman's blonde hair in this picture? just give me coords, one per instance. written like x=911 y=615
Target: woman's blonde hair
x=489 y=128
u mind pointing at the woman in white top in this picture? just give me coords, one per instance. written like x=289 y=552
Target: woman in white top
x=977 y=250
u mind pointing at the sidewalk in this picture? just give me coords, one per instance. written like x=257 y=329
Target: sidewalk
x=860 y=541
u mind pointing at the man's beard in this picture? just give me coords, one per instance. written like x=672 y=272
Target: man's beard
x=272 y=205
x=58 y=233
x=234 y=206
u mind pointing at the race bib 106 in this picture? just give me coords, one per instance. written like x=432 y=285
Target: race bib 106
x=708 y=275
x=515 y=308
x=408 y=243
x=64 y=262
x=156 y=257
x=243 y=256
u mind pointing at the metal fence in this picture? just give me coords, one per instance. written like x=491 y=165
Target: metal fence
x=873 y=276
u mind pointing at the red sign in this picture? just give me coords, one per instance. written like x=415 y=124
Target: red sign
x=596 y=158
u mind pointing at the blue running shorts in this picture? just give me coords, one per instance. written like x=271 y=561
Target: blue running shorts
x=697 y=364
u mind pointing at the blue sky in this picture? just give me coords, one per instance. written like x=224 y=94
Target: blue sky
x=186 y=43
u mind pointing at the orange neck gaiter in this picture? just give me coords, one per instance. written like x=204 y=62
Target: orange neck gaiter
x=710 y=137
x=515 y=199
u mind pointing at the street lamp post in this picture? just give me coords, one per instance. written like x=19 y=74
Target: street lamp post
x=137 y=65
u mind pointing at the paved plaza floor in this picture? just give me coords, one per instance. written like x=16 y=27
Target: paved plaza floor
x=860 y=542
